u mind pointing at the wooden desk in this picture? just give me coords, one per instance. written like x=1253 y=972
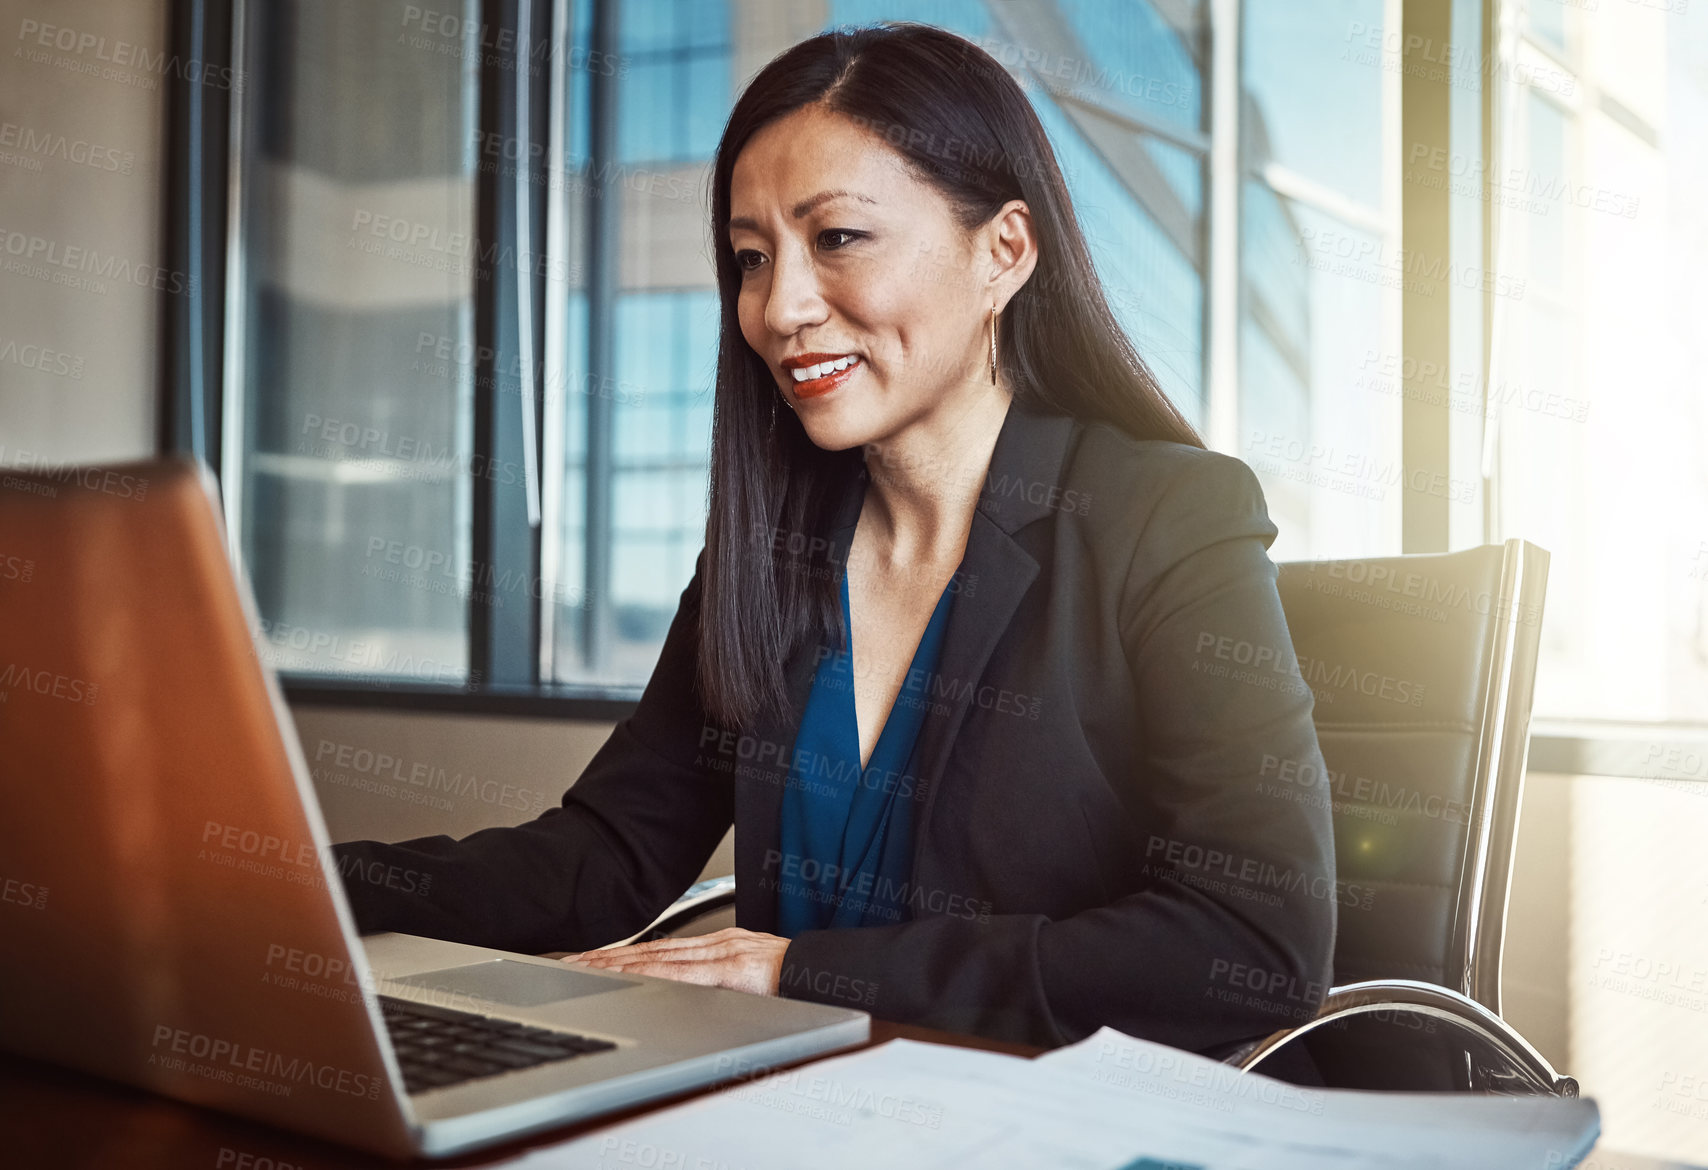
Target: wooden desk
x=54 y=1119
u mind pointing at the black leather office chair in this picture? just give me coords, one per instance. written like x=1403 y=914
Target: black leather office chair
x=1423 y=669
x=1428 y=663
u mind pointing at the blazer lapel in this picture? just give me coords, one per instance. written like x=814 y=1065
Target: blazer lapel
x=1023 y=485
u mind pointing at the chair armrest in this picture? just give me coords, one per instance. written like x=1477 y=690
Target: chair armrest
x=700 y=898
x=1524 y=1070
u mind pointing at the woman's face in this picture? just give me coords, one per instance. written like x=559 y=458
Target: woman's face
x=843 y=254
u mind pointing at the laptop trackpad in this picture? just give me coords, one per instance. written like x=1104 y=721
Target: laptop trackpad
x=516 y=984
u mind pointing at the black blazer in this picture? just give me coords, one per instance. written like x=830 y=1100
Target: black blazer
x=1100 y=838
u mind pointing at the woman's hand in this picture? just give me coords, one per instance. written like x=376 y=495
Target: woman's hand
x=741 y=960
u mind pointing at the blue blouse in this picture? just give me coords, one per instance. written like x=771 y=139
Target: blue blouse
x=847 y=833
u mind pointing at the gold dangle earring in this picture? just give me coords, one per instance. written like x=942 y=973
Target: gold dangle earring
x=993 y=345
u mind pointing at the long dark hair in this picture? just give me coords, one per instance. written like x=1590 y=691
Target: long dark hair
x=966 y=127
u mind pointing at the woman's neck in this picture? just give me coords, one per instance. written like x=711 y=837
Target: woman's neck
x=925 y=480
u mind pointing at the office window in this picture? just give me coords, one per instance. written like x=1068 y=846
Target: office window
x=676 y=89
x=627 y=549
x=1140 y=199
x=1119 y=88
x=348 y=414
x=1319 y=406
x=1148 y=58
x=1546 y=20
x=1597 y=407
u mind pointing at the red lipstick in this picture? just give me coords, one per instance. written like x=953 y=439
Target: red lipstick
x=826 y=383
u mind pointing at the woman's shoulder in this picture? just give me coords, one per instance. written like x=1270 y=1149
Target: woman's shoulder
x=1154 y=504
x=1146 y=475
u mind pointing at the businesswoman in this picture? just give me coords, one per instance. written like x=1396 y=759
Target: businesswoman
x=967 y=654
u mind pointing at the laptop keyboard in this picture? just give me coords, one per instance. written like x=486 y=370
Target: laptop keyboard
x=437 y=1047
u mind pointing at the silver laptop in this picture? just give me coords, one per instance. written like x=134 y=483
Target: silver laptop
x=171 y=914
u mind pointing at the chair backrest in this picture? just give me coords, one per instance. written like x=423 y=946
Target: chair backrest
x=1422 y=666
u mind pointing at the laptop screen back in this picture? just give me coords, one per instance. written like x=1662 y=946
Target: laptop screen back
x=168 y=913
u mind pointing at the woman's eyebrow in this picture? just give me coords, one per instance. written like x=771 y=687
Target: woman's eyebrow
x=804 y=206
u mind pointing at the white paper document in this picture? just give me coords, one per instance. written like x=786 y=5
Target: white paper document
x=1110 y=1102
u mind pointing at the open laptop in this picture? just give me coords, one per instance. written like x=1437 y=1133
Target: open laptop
x=171 y=914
